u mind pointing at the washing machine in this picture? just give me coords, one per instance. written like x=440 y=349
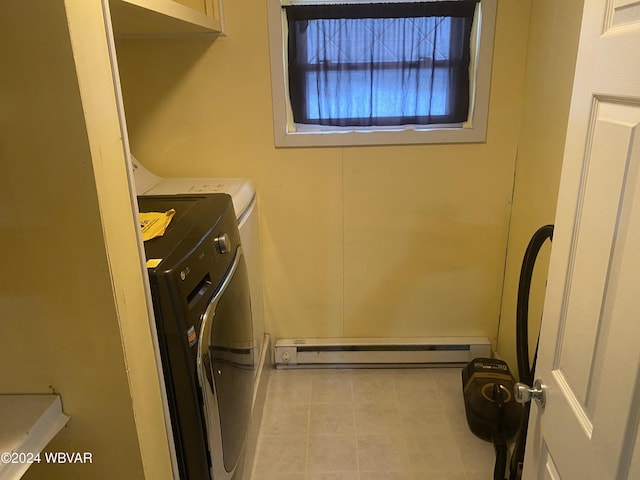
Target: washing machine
x=200 y=292
x=244 y=199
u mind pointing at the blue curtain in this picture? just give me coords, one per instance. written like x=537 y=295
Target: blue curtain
x=380 y=64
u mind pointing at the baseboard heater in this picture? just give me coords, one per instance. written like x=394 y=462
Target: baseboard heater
x=379 y=352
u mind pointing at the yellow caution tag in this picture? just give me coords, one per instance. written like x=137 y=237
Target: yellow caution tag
x=154 y=224
x=153 y=262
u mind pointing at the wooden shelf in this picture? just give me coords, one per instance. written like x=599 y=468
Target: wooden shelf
x=156 y=18
x=29 y=422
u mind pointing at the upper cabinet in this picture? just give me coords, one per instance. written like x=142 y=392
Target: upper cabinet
x=142 y=18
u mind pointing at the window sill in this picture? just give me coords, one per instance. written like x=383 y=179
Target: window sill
x=388 y=137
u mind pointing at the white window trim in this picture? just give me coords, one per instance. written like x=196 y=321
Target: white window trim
x=472 y=131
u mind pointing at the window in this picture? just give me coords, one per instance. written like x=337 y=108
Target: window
x=371 y=73
x=379 y=64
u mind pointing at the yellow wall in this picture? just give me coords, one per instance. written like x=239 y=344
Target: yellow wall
x=379 y=241
x=59 y=326
x=551 y=56
x=72 y=302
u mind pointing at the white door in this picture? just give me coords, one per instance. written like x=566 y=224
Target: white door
x=590 y=340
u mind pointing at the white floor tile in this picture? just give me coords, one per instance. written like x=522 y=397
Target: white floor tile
x=332 y=419
x=292 y=420
x=281 y=453
x=368 y=425
x=377 y=418
x=382 y=453
x=332 y=453
x=331 y=387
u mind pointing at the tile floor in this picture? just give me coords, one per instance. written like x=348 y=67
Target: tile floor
x=368 y=425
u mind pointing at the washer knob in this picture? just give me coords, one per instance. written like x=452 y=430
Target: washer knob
x=222 y=243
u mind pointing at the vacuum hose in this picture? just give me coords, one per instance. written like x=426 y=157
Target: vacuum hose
x=522 y=309
x=525 y=369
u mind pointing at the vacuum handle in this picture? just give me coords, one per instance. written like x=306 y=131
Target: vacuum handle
x=524 y=393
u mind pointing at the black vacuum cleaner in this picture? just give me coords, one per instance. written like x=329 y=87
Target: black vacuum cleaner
x=488 y=385
x=492 y=412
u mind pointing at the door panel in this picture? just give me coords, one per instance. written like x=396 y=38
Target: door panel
x=550 y=472
x=625 y=12
x=595 y=366
x=589 y=356
x=604 y=173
